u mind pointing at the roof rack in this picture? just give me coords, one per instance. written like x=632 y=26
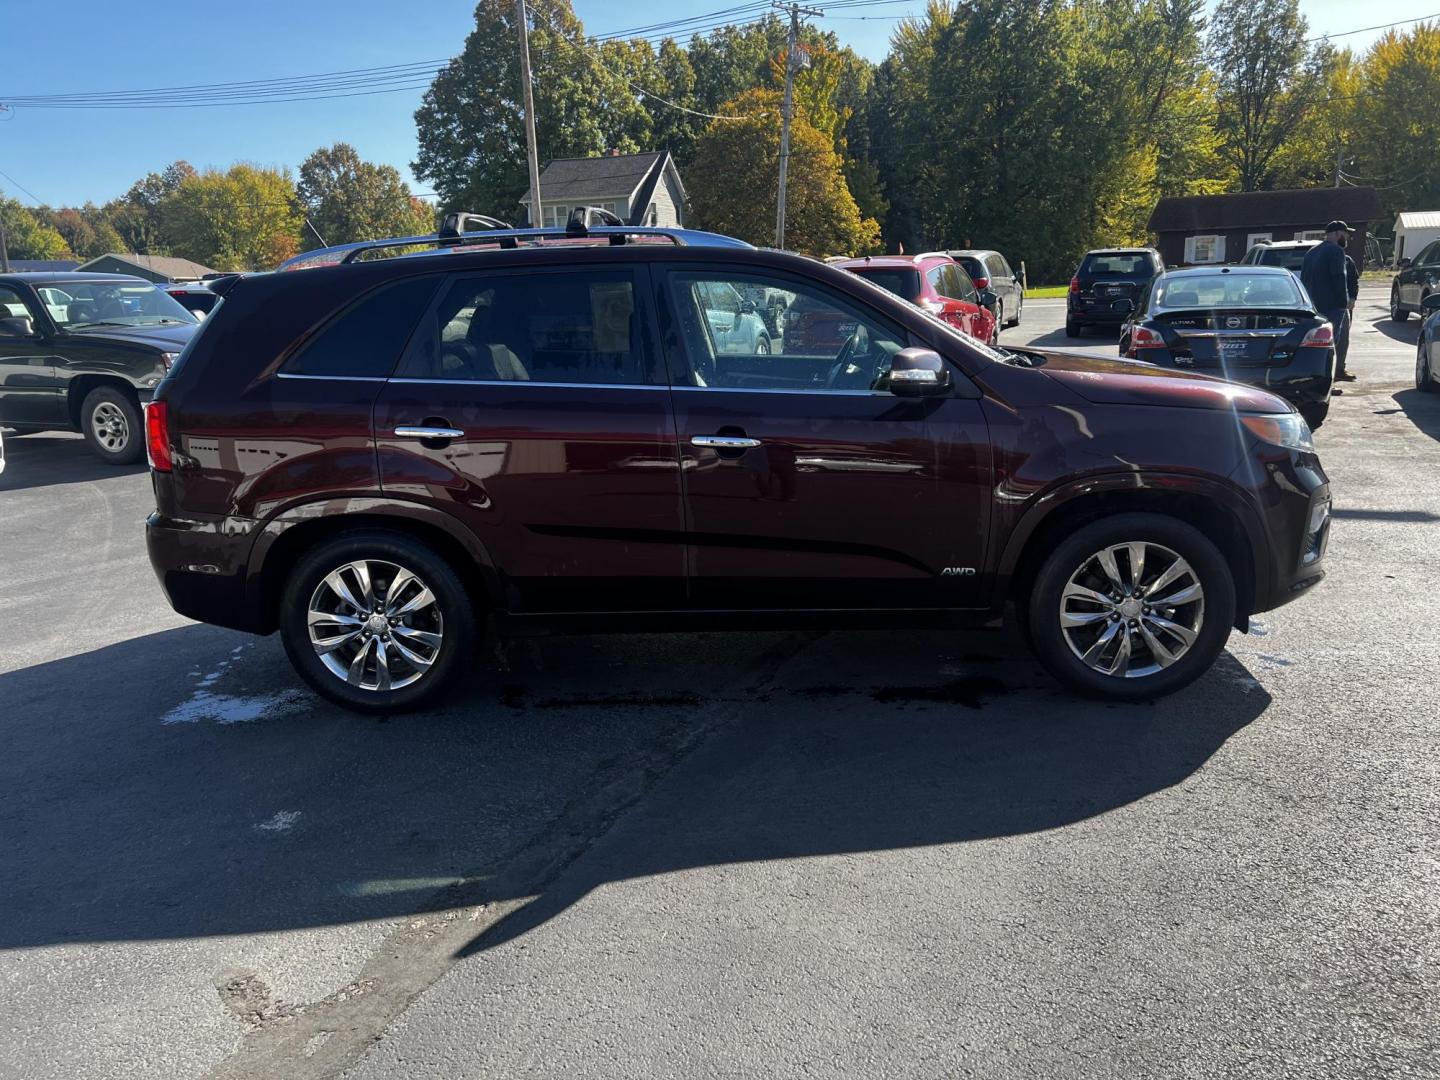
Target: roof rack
x=455 y=233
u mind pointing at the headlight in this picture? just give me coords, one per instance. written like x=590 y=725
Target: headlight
x=167 y=359
x=1280 y=429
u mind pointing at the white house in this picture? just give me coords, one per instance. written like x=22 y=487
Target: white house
x=1413 y=230
x=641 y=189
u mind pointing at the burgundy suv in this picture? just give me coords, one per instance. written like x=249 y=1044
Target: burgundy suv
x=542 y=430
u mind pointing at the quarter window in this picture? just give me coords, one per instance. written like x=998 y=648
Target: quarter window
x=365 y=340
x=540 y=328
x=821 y=342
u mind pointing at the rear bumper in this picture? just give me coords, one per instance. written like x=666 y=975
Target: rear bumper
x=201 y=567
x=1097 y=313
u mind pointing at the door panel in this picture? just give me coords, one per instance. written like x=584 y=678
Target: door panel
x=846 y=499
x=565 y=464
x=30 y=387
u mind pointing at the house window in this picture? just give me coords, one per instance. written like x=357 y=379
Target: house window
x=1312 y=234
x=1204 y=249
x=1257 y=238
x=651 y=216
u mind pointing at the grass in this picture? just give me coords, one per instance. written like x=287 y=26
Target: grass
x=1046 y=292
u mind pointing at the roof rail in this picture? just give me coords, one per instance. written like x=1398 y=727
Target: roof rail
x=452 y=237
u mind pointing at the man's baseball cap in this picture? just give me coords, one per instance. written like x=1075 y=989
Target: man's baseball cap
x=1337 y=226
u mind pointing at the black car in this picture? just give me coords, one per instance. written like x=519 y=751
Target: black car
x=1427 y=349
x=991 y=270
x=193 y=297
x=1105 y=276
x=1250 y=324
x=83 y=352
x=1418 y=278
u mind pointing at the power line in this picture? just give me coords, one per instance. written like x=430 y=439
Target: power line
x=1381 y=26
x=33 y=197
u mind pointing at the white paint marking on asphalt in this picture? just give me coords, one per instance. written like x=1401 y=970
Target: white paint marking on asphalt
x=280 y=821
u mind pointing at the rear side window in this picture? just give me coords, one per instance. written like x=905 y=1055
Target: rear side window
x=366 y=339
x=973 y=266
x=572 y=327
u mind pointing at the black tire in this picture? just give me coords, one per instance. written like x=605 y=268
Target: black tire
x=1044 y=605
x=457 y=625
x=762 y=345
x=1072 y=328
x=1315 y=413
x=1424 y=373
x=1397 y=313
x=1019 y=309
x=110 y=421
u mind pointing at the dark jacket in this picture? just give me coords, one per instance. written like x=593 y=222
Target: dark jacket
x=1324 y=278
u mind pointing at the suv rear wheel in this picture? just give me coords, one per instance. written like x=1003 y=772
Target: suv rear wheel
x=376 y=621
x=1132 y=607
x=111 y=423
x=1397 y=313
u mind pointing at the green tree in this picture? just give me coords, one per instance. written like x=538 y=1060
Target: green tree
x=1268 y=79
x=470 y=126
x=27 y=236
x=246 y=218
x=735 y=176
x=346 y=198
x=137 y=217
x=1396 y=125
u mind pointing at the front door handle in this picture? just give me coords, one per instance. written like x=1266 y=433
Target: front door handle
x=407 y=431
x=724 y=442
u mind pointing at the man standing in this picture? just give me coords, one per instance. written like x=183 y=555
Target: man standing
x=1323 y=275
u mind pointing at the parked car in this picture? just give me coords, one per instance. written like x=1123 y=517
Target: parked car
x=1427 y=349
x=593 y=460
x=1103 y=277
x=937 y=283
x=1251 y=324
x=1286 y=254
x=193 y=297
x=1418 y=278
x=991 y=270
x=83 y=352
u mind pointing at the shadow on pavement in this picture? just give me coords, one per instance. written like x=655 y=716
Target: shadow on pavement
x=1421 y=409
x=49 y=459
x=1408 y=331
x=119 y=826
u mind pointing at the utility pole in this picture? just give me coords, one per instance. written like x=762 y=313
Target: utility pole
x=537 y=214
x=4 y=251
x=795 y=10
x=1339 y=153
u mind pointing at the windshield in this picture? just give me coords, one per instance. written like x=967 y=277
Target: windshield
x=79 y=304
x=903 y=283
x=1232 y=290
x=1290 y=258
x=1128 y=263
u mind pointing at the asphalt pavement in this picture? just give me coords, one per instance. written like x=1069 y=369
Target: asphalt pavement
x=790 y=855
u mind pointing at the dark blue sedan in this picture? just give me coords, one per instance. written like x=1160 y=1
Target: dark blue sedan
x=1249 y=324
x=1427 y=351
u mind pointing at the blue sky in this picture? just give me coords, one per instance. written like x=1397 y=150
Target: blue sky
x=65 y=157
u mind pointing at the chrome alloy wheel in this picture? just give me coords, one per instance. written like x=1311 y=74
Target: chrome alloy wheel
x=111 y=429
x=1132 y=609
x=375 y=625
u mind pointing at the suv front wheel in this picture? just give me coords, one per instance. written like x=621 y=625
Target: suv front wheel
x=1133 y=607
x=111 y=423
x=376 y=621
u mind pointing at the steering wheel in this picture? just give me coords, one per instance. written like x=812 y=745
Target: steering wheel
x=853 y=344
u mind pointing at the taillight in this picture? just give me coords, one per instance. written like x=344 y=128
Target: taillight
x=1324 y=334
x=981 y=282
x=1075 y=284
x=157 y=436
x=1142 y=337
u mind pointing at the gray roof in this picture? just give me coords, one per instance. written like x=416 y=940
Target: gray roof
x=576 y=179
x=168 y=265
x=1256 y=209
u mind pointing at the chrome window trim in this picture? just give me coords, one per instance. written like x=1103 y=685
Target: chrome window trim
x=770 y=390
x=330 y=378
x=529 y=382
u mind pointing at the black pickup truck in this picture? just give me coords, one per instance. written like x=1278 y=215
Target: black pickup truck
x=83 y=352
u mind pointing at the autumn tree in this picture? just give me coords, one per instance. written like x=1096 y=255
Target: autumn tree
x=346 y=198
x=27 y=236
x=1396 y=124
x=246 y=218
x=734 y=181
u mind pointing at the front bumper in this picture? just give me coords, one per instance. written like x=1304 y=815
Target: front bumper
x=1294 y=497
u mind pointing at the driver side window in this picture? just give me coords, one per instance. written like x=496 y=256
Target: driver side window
x=819 y=341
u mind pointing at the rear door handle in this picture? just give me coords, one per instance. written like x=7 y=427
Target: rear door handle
x=406 y=431
x=724 y=442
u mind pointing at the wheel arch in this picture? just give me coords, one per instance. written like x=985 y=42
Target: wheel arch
x=1213 y=510
x=286 y=538
x=81 y=386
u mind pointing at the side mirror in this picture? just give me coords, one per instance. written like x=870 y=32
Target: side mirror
x=988 y=300
x=17 y=327
x=1123 y=307
x=917 y=372
x=1404 y=264
x=1431 y=302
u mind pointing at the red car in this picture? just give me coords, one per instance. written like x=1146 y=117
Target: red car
x=936 y=283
